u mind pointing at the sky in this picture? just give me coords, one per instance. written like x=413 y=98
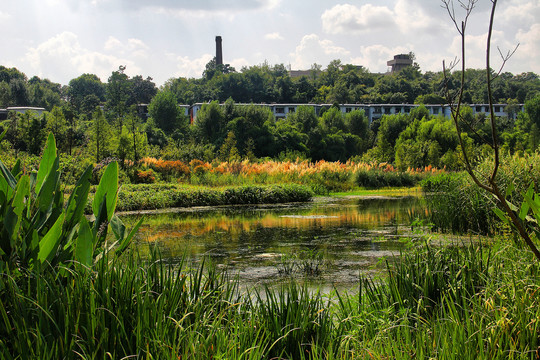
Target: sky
x=62 y=39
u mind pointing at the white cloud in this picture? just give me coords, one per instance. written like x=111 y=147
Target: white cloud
x=529 y=49
x=314 y=50
x=375 y=57
x=273 y=36
x=343 y=19
x=4 y=16
x=191 y=68
x=412 y=18
x=134 y=47
x=112 y=43
x=63 y=58
x=520 y=12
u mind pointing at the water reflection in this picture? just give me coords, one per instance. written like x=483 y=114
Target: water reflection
x=350 y=234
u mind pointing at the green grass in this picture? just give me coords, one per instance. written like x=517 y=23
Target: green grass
x=402 y=191
x=450 y=302
x=160 y=196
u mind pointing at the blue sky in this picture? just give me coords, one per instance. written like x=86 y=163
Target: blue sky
x=62 y=39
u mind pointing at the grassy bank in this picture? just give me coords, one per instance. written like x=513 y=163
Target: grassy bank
x=160 y=196
x=447 y=303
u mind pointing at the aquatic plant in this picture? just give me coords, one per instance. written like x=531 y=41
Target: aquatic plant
x=38 y=232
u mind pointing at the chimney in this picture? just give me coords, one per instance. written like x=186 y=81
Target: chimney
x=219 y=52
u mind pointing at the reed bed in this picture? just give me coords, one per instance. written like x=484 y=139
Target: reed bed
x=454 y=302
x=322 y=176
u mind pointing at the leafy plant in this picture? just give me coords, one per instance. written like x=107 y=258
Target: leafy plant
x=528 y=213
x=36 y=228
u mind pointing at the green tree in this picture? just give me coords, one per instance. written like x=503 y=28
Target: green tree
x=58 y=126
x=138 y=142
x=357 y=123
x=5 y=94
x=86 y=88
x=228 y=150
x=210 y=123
x=118 y=90
x=141 y=90
x=167 y=114
x=101 y=136
x=19 y=92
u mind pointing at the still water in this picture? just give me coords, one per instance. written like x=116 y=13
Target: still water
x=329 y=241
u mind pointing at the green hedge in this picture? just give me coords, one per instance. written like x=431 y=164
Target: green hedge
x=159 y=196
x=375 y=179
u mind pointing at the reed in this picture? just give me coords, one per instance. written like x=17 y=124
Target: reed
x=457 y=302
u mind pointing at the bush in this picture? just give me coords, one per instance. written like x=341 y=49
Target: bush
x=144 y=177
x=375 y=179
x=159 y=196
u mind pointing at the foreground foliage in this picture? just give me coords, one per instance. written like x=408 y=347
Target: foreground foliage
x=456 y=302
x=36 y=230
x=456 y=204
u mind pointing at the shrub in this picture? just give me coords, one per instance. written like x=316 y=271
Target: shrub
x=144 y=177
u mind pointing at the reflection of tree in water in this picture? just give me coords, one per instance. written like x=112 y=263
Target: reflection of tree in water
x=345 y=231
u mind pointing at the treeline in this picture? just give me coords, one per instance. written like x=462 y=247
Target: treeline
x=338 y=83
x=95 y=120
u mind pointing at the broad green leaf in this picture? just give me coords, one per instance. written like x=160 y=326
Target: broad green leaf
x=10 y=224
x=48 y=245
x=118 y=228
x=123 y=244
x=47 y=162
x=18 y=205
x=77 y=200
x=46 y=194
x=100 y=228
x=16 y=169
x=525 y=205
x=509 y=190
x=534 y=204
x=22 y=192
x=107 y=190
x=84 y=247
x=501 y=214
x=3 y=134
x=8 y=177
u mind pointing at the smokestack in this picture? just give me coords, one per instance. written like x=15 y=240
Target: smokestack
x=219 y=52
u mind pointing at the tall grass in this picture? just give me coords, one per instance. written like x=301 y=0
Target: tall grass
x=457 y=204
x=457 y=302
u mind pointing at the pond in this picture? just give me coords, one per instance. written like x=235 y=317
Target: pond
x=327 y=242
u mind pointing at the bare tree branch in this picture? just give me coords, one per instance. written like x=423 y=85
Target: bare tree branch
x=488 y=182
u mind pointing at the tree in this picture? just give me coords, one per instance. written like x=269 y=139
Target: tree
x=57 y=125
x=228 y=151
x=118 y=90
x=19 y=92
x=210 y=123
x=83 y=88
x=166 y=113
x=488 y=182
x=136 y=136
x=5 y=95
x=141 y=90
x=101 y=136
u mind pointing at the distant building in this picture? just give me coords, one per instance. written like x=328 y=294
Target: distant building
x=299 y=73
x=399 y=62
x=23 y=109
